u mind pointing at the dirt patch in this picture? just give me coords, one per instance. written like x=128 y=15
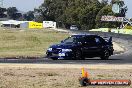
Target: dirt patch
x=118 y=49
x=60 y=78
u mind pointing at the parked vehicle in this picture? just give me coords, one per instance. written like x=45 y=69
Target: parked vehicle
x=73 y=27
x=82 y=46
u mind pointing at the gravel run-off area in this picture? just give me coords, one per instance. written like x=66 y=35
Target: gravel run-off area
x=56 y=78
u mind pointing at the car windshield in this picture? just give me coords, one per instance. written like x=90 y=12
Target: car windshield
x=73 y=26
x=72 y=39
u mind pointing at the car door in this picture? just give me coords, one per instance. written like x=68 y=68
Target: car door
x=89 y=46
x=100 y=42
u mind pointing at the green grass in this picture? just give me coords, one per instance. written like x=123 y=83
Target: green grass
x=28 y=43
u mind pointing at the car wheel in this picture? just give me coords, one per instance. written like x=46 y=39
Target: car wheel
x=105 y=55
x=78 y=55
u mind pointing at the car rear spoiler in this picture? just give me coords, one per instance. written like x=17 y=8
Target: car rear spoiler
x=108 y=39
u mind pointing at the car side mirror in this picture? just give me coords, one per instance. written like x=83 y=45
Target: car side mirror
x=62 y=41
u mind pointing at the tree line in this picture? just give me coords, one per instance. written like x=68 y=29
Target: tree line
x=86 y=14
x=13 y=13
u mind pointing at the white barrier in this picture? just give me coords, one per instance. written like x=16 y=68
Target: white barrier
x=101 y=29
x=95 y=30
x=115 y=30
x=125 y=31
x=121 y=31
x=105 y=29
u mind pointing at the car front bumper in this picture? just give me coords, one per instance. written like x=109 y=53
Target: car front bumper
x=60 y=55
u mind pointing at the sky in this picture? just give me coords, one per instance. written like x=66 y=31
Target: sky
x=23 y=5
x=129 y=5
x=26 y=5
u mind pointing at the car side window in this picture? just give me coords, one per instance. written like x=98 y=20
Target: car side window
x=69 y=39
x=90 y=41
x=99 y=40
x=80 y=39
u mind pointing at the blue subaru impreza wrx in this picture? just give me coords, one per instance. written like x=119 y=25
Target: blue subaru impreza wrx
x=80 y=46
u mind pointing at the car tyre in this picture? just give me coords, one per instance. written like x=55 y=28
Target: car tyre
x=78 y=55
x=105 y=55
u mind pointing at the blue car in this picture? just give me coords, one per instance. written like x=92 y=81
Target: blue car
x=81 y=46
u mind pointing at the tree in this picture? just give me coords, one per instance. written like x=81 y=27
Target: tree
x=2 y=12
x=81 y=13
x=104 y=12
x=103 y=1
x=84 y=13
x=12 y=11
x=123 y=8
x=16 y=16
x=107 y=10
x=29 y=16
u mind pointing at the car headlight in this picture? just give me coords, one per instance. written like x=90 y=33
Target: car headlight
x=50 y=49
x=66 y=50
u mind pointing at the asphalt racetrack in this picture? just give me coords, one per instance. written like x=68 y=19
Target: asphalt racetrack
x=120 y=59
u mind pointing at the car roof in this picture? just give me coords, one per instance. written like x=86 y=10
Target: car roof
x=83 y=35
x=73 y=25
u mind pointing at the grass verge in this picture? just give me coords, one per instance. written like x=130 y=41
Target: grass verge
x=27 y=43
